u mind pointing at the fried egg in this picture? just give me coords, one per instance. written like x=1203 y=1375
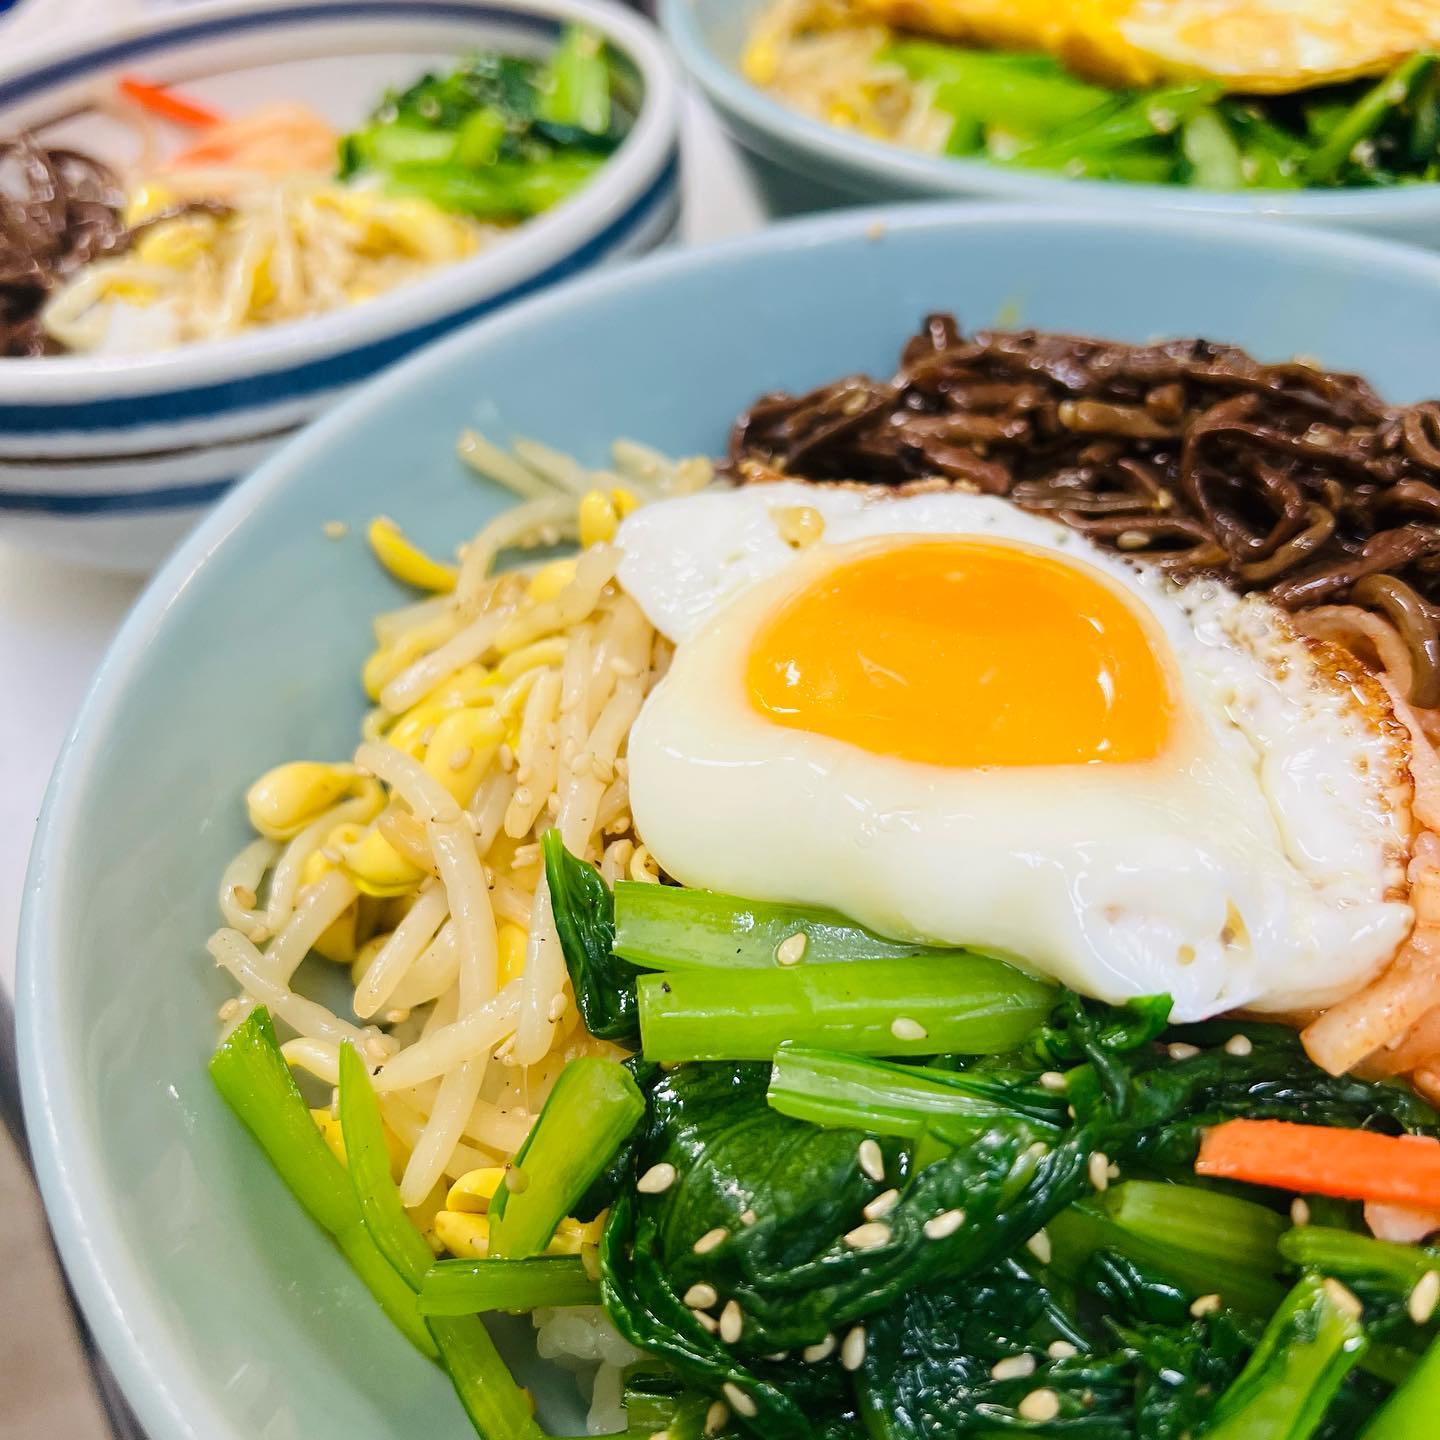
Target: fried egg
x=1269 y=46
x=965 y=725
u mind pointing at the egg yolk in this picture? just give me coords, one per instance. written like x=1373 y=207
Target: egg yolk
x=966 y=653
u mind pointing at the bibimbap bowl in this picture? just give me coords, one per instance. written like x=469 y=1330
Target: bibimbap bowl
x=224 y=1311
x=804 y=163
x=107 y=459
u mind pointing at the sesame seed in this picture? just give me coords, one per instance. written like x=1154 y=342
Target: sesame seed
x=710 y=1239
x=1424 y=1297
x=778 y=1357
x=1112 y=1171
x=461 y=758
x=1100 y=1170
x=792 y=951
x=868 y=1236
x=229 y=1009
x=1238 y=1045
x=1181 y=1051
x=1061 y=1350
x=707 y=1322
x=732 y=1322
x=716 y=1417
x=1204 y=1305
x=947 y=1222
x=1052 y=1080
x=1299 y=1211
x=1039 y=1405
x=871 y=1161
x=507 y=758
x=881 y=1205
x=902 y=1027
x=243 y=895
x=740 y=1402
x=660 y=1435
x=657 y=1179
x=1039 y=1246
x=517 y=1182
x=1013 y=1367
x=852 y=1350
x=396 y=1017
x=559 y=1004
x=748 y=1217
x=813 y=1354
x=335 y=529
x=1343 y=1299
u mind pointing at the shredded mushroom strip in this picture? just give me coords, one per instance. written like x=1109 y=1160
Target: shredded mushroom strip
x=502 y=708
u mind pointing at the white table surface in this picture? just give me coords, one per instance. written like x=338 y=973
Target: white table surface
x=55 y=621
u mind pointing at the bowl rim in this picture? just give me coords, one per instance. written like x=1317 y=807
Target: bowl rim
x=134 y=1335
x=935 y=175
x=531 y=249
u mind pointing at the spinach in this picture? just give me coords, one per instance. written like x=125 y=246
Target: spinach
x=604 y=985
x=500 y=136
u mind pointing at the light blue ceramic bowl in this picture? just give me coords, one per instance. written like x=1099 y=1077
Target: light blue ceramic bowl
x=803 y=164
x=226 y=1315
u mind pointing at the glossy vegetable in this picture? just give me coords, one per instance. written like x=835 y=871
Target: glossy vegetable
x=973 y=1004
x=167 y=104
x=250 y=1072
x=595 y=1104
x=1030 y=110
x=496 y=1405
x=501 y=137
x=1309 y=1159
x=471 y=1287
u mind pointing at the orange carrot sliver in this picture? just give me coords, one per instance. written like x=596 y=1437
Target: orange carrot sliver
x=167 y=104
x=1318 y=1160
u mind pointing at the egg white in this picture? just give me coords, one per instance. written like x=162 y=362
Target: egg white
x=1258 y=862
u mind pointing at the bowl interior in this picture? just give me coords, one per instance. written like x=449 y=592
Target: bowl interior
x=224 y=1311
x=804 y=163
x=338 y=58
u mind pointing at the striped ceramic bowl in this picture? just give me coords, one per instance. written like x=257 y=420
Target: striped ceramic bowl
x=108 y=461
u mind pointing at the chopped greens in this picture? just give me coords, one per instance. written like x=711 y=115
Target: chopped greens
x=594 y=1099
x=970 y=1003
x=496 y=1405
x=1031 y=111
x=501 y=137
x=823 y=1227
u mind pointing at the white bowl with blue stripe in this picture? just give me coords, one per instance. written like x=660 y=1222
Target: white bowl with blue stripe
x=108 y=461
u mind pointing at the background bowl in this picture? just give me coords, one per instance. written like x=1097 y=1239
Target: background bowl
x=224 y=1312
x=803 y=164
x=109 y=461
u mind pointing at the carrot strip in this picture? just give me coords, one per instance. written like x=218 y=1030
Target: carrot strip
x=167 y=104
x=1318 y=1160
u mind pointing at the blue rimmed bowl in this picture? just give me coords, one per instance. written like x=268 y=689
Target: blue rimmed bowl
x=804 y=164
x=225 y=1313
x=109 y=460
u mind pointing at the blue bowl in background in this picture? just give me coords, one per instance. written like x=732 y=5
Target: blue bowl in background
x=224 y=1312
x=803 y=164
